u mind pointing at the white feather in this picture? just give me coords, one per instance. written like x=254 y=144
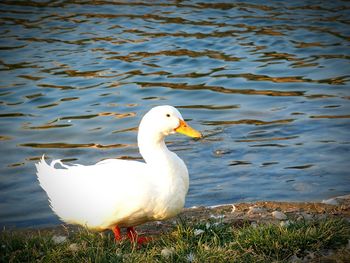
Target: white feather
x=121 y=192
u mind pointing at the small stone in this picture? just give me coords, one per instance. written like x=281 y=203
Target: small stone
x=254 y=224
x=285 y=223
x=217 y=216
x=306 y=216
x=198 y=232
x=279 y=215
x=331 y=201
x=310 y=255
x=74 y=247
x=59 y=239
x=295 y=259
x=233 y=209
x=256 y=210
x=167 y=252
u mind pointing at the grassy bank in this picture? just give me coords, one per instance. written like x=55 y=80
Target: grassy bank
x=208 y=241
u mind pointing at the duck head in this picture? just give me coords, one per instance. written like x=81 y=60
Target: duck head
x=166 y=120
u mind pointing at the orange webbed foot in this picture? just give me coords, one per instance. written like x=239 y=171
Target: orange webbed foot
x=135 y=238
x=116 y=232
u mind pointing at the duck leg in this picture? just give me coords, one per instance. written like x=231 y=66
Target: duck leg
x=133 y=236
x=116 y=232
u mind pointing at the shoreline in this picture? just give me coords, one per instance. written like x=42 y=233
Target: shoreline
x=276 y=212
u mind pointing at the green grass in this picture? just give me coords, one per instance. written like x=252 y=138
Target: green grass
x=218 y=242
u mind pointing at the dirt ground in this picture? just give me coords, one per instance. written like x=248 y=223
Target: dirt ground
x=239 y=213
x=259 y=212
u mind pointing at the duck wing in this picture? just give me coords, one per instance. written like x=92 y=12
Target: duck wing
x=97 y=196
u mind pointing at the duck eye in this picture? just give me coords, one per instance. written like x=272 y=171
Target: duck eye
x=168 y=115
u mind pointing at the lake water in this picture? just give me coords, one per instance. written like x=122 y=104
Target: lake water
x=267 y=84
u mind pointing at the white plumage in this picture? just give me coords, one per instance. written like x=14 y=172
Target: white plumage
x=121 y=193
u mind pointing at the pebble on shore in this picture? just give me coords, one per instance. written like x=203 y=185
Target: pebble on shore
x=279 y=215
x=59 y=239
x=256 y=210
x=167 y=252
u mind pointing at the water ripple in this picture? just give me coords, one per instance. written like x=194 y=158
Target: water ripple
x=71 y=145
x=266 y=83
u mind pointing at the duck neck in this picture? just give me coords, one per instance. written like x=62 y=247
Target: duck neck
x=152 y=147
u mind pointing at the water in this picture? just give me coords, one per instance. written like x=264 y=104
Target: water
x=268 y=85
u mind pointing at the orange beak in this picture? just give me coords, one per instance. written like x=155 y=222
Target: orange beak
x=185 y=129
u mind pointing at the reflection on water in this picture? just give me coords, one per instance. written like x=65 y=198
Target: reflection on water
x=267 y=84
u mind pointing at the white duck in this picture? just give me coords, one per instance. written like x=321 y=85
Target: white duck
x=121 y=193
